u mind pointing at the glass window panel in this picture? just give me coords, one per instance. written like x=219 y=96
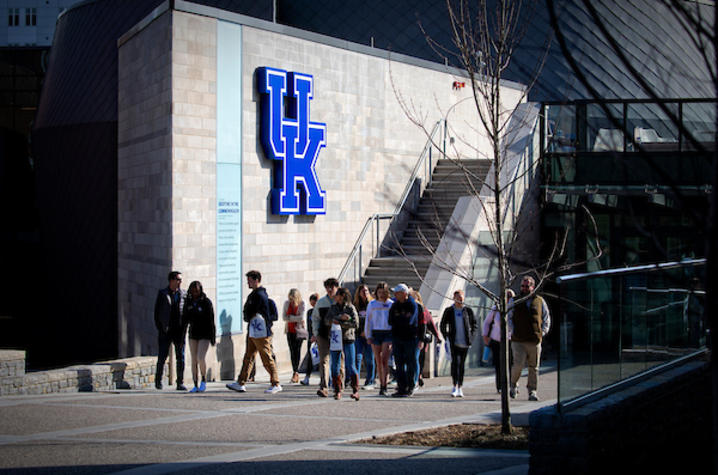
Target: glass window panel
x=699 y=121
x=652 y=127
x=604 y=128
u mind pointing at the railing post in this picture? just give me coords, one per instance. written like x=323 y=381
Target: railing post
x=361 y=262
x=378 y=245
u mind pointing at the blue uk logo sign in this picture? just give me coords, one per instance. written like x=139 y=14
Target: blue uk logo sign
x=289 y=137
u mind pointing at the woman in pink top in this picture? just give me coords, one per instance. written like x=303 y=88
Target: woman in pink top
x=491 y=331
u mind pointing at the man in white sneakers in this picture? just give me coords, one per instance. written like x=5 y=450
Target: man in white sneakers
x=528 y=323
x=260 y=315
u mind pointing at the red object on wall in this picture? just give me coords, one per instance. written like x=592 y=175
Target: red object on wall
x=458 y=85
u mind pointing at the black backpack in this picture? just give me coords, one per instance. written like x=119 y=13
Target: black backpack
x=273 y=314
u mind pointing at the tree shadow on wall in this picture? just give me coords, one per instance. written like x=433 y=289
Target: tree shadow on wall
x=225 y=348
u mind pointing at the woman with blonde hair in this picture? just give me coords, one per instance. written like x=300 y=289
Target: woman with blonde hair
x=293 y=315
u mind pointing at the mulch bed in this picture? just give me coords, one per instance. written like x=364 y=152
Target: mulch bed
x=480 y=436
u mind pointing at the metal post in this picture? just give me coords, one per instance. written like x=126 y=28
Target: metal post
x=361 y=261
x=378 y=245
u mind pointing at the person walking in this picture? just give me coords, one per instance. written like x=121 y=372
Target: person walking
x=364 y=352
x=406 y=327
x=170 y=330
x=344 y=322
x=378 y=333
x=528 y=322
x=260 y=316
x=293 y=315
x=458 y=325
x=430 y=333
x=198 y=316
x=320 y=331
x=491 y=332
x=308 y=357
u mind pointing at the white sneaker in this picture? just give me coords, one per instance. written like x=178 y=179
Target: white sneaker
x=273 y=389
x=460 y=393
x=368 y=387
x=455 y=392
x=237 y=387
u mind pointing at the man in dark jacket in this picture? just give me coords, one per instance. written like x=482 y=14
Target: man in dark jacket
x=170 y=329
x=259 y=316
x=406 y=329
x=458 y=325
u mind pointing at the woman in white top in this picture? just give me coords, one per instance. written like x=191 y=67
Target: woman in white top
x=293 y=315
x=491 y=332
x=378 y=332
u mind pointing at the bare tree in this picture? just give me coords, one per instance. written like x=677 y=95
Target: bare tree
x=484 y=36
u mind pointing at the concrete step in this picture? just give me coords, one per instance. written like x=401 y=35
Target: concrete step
x=449 y=183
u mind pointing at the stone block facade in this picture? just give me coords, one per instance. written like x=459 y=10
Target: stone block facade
x=167 y=194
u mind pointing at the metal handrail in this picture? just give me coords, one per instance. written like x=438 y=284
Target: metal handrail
x=358 y=244
x=630 y=270
x=426 y=152
x=415 y=172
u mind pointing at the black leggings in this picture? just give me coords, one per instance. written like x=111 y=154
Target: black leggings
x=458 y=361
x=295 y=350
x=496 y=356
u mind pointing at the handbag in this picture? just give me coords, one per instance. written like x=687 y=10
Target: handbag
x=301 y=332
x=428 y=337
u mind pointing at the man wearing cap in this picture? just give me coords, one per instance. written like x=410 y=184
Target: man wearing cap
x=406 y=328
x=528 y=322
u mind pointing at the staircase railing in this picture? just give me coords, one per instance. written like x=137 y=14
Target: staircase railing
x=357 y=257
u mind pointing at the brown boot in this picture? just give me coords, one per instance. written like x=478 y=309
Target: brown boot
x=337 y=383
x=355 y=387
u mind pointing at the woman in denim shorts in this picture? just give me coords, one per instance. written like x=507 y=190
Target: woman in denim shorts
x=378 y=332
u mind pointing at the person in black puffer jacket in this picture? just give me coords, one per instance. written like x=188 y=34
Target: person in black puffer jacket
x=198 y=314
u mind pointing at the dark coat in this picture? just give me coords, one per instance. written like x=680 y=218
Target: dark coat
x=258 y=303
x=167 y=320
x=199 y=316
x=448 y=324
x=406 y=320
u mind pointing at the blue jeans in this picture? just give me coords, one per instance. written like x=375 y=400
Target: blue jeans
x=365 y=353
x=404 y=352
x=349 y=361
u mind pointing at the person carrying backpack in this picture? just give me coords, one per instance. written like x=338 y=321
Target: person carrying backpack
x=259 y=312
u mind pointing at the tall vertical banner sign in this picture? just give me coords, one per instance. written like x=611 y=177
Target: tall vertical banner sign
x=228 y=305
x=289 y=137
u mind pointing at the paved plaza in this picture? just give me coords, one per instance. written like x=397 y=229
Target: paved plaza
x=220 y=431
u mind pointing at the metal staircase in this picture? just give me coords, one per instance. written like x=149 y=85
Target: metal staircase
x=407 y=257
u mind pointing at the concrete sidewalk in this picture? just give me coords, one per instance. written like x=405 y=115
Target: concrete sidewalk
x=294 y=431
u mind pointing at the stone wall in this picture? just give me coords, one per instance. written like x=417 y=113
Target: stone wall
x=145 y=177
x=168 y=123
x=660 y=425
x=129 y=373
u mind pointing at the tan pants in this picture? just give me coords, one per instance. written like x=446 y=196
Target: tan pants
x=198 y=350
x=263 y=346
x=525 y=353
